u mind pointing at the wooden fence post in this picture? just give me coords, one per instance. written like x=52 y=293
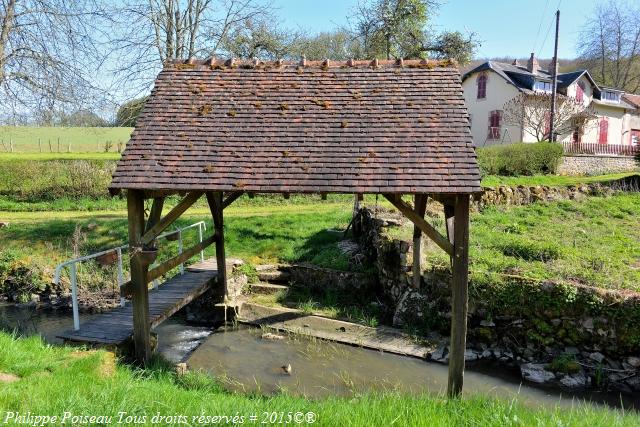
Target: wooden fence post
x=459 y=293
x=139 y=285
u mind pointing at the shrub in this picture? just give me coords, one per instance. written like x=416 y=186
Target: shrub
x=520 y=159
x=32 y=180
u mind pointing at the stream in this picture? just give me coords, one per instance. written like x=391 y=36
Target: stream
x=245 y=362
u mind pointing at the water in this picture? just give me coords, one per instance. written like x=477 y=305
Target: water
x=245 y=362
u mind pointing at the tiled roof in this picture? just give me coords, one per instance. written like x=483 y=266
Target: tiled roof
x=632 y=99
x=355 y=127
x=523 y=79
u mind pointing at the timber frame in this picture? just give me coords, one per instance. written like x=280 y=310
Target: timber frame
x=142 y=235
x=219 y=129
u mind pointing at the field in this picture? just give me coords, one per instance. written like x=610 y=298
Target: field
x=26 y=139
x=102 y=386
x=594 y=242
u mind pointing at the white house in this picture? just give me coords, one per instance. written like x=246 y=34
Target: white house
x=489 y=86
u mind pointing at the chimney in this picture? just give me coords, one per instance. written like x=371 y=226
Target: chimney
x=516 y=63
x=532 y=64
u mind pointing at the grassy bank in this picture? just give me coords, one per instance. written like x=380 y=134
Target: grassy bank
x=24 y=139
x=550 y=180
x=79 y=181
x=594 y=242
x=54 y=380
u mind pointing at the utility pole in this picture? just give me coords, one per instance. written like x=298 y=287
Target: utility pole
x=554 y=88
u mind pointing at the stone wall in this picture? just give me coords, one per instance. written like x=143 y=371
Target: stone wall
x=516 y=322
x=320 y=278
x=588 y=164
x=524 y=195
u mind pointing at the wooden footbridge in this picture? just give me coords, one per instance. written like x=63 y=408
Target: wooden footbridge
x=116 y=326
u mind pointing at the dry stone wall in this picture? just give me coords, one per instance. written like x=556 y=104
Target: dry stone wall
x=586 y=164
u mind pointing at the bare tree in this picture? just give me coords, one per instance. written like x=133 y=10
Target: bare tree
x=150 y=32
x=531 y=113
x=48 y=55
x=610 y=45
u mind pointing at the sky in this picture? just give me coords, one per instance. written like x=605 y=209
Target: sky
x=506 y=28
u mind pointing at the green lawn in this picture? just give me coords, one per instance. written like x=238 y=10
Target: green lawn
x=594 y=242
x=550 y=180
x=54 y=380
x=41 y=157
x=62 y=139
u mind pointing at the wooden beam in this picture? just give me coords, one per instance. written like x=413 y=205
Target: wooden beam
x=420 y=204
x=177 y=260
x=156 y=212
x=140 y=292
x=170 y=217
x=231 y=198
x=216 y=206
x=166 y=266
x=459 y=295
x=423 y=225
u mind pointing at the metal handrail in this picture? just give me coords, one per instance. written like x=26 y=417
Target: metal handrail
x=73 y=268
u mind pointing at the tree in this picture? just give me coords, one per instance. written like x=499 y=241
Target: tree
x=151 y=32
x=129 y=111
x=389 y=27
x=398 y=29
x=48 y=55
x=258 y=37
x=609 y=45
x=531 y=112
x=339 y=45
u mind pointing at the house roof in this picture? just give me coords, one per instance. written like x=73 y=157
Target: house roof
x=632 y=99
x=359 y=127
x=523 y=79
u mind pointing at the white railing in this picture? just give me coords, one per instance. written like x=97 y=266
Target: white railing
x=72 y=264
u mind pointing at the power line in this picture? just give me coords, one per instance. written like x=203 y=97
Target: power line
x=544 y=12
x=548 y=30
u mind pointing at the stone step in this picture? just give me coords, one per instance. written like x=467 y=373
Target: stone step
x=276 y=276
x=267 y=288
x=295 y=321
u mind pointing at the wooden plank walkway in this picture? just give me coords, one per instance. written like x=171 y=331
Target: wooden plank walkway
x=116 y=326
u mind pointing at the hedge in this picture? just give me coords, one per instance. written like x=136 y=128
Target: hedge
x=520 y=159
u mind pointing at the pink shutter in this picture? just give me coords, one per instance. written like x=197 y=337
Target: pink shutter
x=604 y=130
x=580 y=92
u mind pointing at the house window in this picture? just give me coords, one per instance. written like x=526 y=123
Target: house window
x=604 y=130
x=542 y=86
x=580 y=92
x=610 y=96
x=482 y=86
x=635 y=137
x=495 y=124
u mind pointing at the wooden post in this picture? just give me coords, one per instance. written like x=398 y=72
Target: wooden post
x=140 y=297
x=459 y=293
x=216 y=206
x=420 y=206
x=449 y=208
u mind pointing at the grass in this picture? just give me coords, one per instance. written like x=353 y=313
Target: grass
x=55 y=380
x=41 y=157
x=71 y=139
x=550 y=180
x=594 y=242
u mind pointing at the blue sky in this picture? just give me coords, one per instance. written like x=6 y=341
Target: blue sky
x=506 y=28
